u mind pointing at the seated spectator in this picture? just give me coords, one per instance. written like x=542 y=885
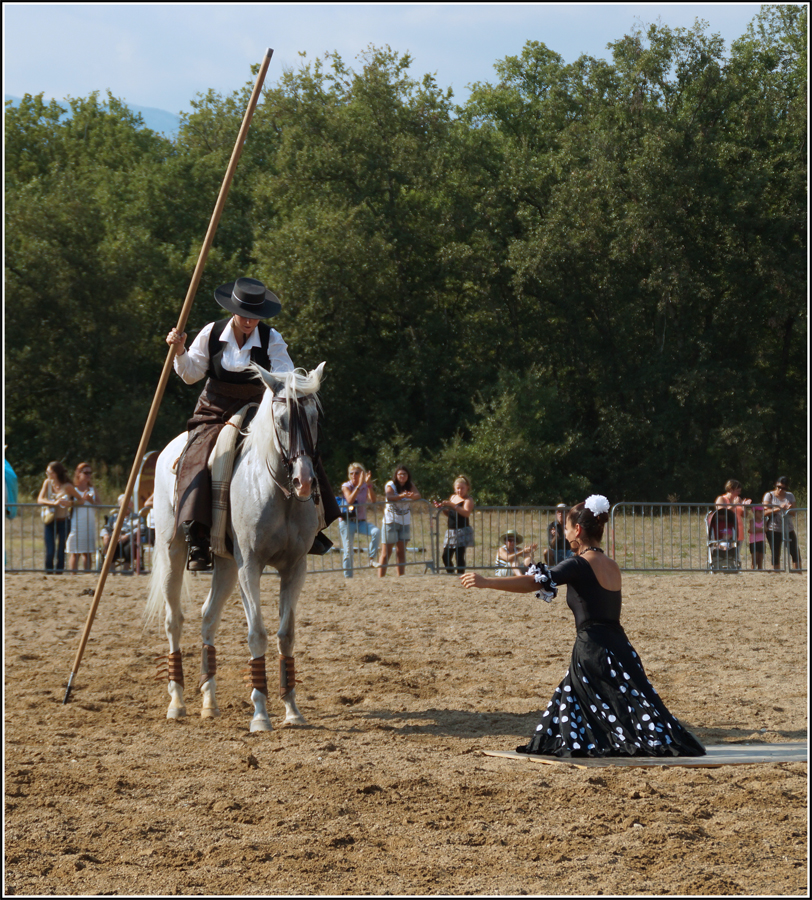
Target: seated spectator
x=558 y=548
x=124 y=551
x=147 y=513
x=510 y=558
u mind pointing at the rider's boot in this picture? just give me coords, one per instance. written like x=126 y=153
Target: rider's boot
x=197 y=536
x=321 y=544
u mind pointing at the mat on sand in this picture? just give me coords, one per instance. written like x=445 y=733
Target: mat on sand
x=717 y=755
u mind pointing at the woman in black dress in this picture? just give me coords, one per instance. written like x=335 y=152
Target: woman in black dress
x=605 y=705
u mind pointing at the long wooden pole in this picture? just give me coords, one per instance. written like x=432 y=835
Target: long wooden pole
x=170 y=357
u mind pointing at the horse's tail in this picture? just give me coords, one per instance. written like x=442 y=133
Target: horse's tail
x=155 y=597
x=157 y=587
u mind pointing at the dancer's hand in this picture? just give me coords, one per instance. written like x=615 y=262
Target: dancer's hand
x=472 y=579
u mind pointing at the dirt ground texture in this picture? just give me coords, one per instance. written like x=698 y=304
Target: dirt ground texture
x=403 y=681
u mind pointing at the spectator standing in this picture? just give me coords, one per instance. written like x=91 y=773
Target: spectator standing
x=57 y=496
x=9 y=496
x=778 y=506
x=397 y=518
x=732 y=497
x=358 y=491
x=459 y=532
x=82 y=540
x=756 y=537
x=9 y=490
x=558 y=548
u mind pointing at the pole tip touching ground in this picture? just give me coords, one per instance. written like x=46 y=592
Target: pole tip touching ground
x=67 y=690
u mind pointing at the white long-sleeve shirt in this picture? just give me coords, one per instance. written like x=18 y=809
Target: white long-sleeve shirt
x=194 y=364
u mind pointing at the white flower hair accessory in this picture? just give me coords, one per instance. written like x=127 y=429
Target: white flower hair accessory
x=597 y=504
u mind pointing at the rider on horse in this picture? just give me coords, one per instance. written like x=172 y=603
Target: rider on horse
x=223 y=352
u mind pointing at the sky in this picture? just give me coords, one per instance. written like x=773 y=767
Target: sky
x=164 y=55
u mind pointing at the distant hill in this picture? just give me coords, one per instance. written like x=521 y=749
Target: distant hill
x=159 y=120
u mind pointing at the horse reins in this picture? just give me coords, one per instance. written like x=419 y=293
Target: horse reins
x=300 y=444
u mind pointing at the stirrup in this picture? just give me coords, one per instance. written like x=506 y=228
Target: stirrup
x=199 y=559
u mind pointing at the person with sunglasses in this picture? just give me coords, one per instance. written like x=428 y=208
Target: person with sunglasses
x=780 y=523
x=82 y=540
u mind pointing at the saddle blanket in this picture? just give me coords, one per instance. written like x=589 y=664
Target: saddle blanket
x=221 y=465
x=717 y=755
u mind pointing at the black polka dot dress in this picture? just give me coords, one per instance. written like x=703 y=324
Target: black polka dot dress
x=605 y=705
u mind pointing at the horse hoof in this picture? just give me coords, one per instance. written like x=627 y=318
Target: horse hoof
x=296 y=720
x=261 y=725
x=209 y=712
x=176 y=712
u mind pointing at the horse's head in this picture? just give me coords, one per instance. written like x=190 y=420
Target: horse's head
x=288 y=421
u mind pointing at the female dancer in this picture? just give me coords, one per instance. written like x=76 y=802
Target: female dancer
x=605 y=705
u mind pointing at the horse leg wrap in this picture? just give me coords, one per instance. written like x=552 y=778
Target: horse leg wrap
x=172 y=670
x=287 y=674
x=255 y=675
x=208 y=664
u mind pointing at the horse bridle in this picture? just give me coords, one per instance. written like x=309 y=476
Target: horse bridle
x=300 y=443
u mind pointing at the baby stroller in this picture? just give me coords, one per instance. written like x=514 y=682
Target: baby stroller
x=723 y=546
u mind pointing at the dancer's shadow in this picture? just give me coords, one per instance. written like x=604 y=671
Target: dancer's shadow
x=460 y=723
x=711 y=734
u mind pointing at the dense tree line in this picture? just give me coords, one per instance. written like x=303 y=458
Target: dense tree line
x=590 y=276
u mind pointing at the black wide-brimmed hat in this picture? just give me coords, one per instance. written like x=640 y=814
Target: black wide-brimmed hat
x=249 y=298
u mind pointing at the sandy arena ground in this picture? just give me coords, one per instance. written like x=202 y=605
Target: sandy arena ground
x=403 y=682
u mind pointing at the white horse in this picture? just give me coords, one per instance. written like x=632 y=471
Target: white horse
x=270 y=524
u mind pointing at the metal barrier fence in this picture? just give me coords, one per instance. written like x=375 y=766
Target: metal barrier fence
x=641 y=537
x=674 y=537
x=24 y=542
x=419 y=550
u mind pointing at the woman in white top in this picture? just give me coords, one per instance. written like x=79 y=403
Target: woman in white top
x=397 y=518
x=779 y=521
x=82 y=540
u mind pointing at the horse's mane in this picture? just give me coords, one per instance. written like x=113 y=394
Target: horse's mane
x=292 y=385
